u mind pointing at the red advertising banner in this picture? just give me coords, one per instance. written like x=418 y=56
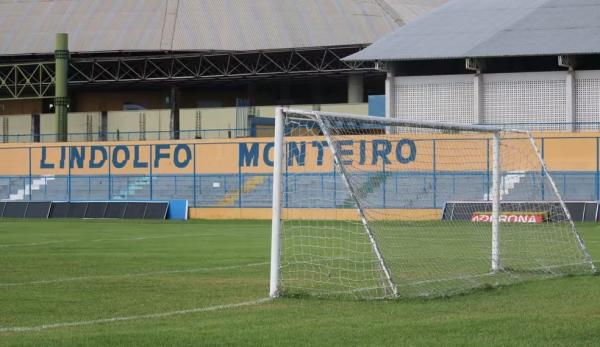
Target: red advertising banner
x=511 y=217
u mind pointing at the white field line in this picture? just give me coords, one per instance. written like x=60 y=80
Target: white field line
x=130 y=318
x=492 y=274
x=455 y=278
x=41 y=243
x=140 y=274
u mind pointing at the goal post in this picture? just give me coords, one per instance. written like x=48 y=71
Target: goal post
x=277 y=195
x=361 y=212
x=358 y=208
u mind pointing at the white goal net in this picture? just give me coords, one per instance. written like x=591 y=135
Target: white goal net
x=370 y=207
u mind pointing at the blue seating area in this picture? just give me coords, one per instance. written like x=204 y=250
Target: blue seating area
x=317 y=190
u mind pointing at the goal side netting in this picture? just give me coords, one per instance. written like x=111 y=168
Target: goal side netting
x=370 y=207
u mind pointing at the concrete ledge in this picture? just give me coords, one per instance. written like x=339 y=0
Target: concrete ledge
x=315 y=214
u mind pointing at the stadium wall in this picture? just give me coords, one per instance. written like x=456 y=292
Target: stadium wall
x=527 y=100
x=152 y=124
x=231 y=178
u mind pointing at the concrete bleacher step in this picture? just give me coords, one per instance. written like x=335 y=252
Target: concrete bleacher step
x=303 y=190
x=133 y=187
x=371 y=185
x=36 y=184
x=249 y=185
x=508 y=182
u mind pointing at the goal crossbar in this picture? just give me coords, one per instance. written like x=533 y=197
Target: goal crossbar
x=403 y=123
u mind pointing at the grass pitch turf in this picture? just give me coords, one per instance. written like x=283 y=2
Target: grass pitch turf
x=77 y=280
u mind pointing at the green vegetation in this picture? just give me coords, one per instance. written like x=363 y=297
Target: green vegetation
x=80 y=271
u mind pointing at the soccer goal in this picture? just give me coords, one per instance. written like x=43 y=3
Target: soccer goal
x=359 y=208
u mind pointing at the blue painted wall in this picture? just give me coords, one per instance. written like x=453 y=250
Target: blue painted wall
x=377 y=105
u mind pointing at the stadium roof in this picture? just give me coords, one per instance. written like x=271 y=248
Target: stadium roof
x=29 y=26
x=494 y=28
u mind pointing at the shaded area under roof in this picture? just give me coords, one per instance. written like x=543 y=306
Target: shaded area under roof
x=493 y=28
x=29 y=26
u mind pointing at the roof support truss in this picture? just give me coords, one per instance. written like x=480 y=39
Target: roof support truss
x=36 y=79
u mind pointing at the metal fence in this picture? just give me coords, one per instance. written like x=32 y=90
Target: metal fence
x=321 y=190
x=130 y=135
x=244 y=132
x=553 y=126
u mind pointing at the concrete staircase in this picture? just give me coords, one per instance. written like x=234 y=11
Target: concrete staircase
x=36 y=184
x=133 y=187
x=250 y=184
x=508 y=182
x=372 y=184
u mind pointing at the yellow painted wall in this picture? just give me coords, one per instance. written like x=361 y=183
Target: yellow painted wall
x=125 y=122
x=563 y=152
x=312 y=214
x=128 y=123
x=225 y=117
x=78 y=125
x=102 y=158
x=571 y=153
x=156 y=119
x=18 y=125
x=210 y=118
x=362 y=108
x=48 y=127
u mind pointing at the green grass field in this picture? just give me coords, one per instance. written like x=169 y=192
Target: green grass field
x=99 y=283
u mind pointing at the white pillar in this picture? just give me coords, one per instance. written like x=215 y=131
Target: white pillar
x=478 y=105
x=496 y=207
x=390 y=94
x=570 y=100
x=355 y=88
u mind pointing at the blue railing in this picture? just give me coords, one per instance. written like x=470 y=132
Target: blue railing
x=248 y=132
x=315 y=190
x=550 y=126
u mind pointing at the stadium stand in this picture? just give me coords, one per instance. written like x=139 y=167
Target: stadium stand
x=254 y=191
x=160 y=69
x=98 y=108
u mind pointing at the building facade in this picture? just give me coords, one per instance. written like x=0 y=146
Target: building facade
x=520 y=64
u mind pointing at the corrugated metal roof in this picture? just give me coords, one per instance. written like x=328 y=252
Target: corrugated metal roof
x=29 y=26
x=93 y=25
x=494 y=28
